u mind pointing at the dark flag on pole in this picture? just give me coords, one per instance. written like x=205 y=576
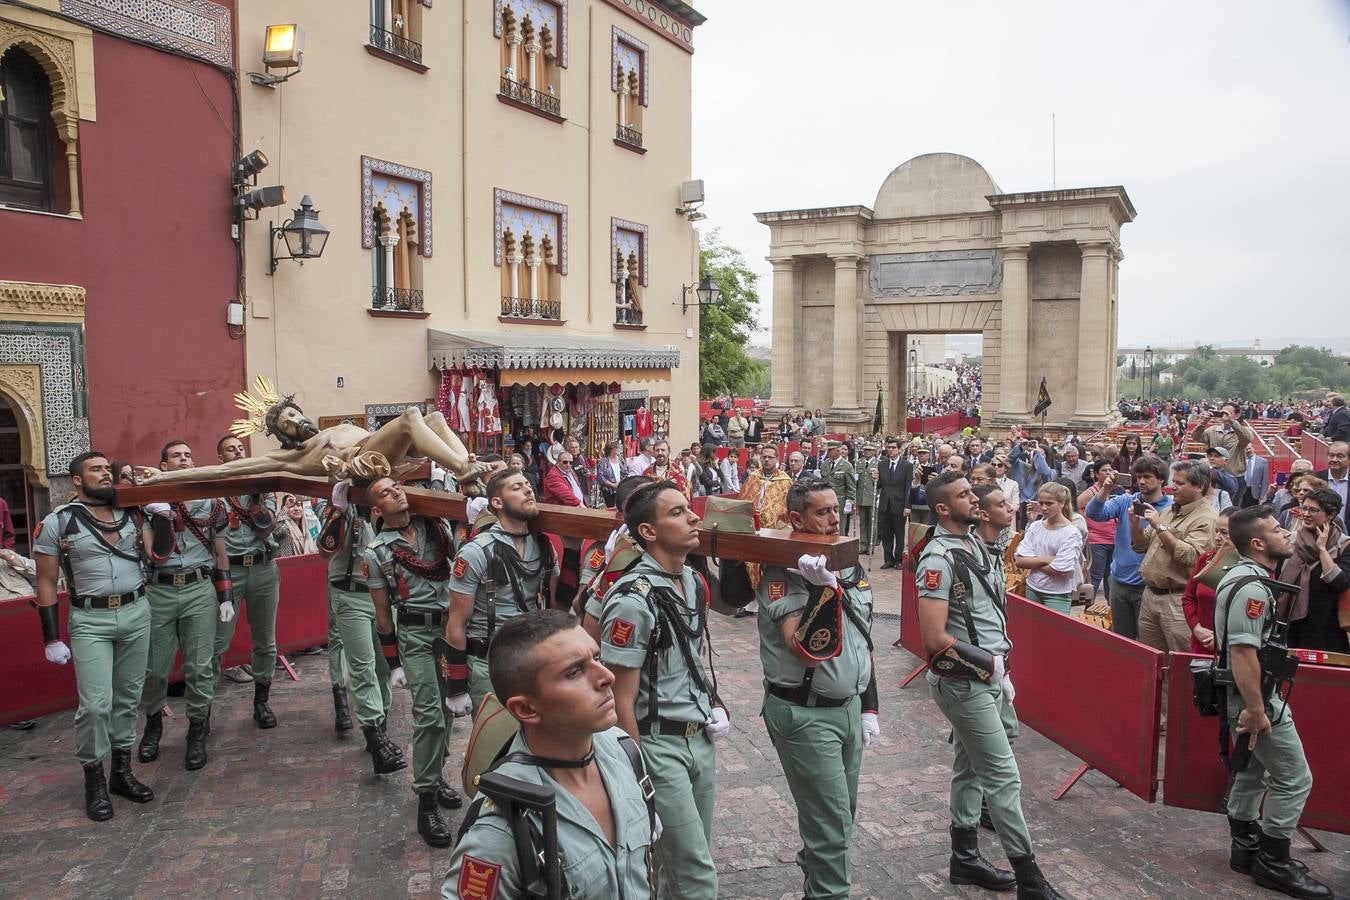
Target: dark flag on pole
x=1042 y=398
x=876 y=416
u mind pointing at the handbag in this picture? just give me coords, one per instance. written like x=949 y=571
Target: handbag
x=1205 y=692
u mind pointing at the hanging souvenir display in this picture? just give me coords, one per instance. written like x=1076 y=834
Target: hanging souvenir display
x=660 y=415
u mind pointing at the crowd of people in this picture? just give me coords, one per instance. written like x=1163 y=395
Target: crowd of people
x=962 y=398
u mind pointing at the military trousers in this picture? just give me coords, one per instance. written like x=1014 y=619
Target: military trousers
x=431 y=723
x=351 y=616
x=820 y=750
x=1279 y=772
x=337 y=659
x=845 y=520
x=181 y=618
x=479 y=682
x=684 y=773
x=110 y=648
x=865 y=529
x=255 y=588
x=984 y=726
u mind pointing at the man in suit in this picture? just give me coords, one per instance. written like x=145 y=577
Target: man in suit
x=1337 y=476
x=1257 y=479
x=1337 y=427
x=894 y=475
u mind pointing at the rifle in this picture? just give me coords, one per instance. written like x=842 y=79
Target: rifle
x=540 y=865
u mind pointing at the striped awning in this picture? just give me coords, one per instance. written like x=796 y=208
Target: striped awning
x=542 y=351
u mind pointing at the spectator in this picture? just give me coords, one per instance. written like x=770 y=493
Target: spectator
x=736 y=426
x=754 y=432
x=707 y=475
x=1029 y=470
x=1295 y=428
x=1171 y=542
x=811 y=456
x=1052 y=551
x=983 y=474
x=728 y=468
x=1232 y=434
x=124 y=472
x=1197 y=600
x=1005 y=483
x=808 y=425
x=752 y=466
x=7 y=536
x=711 y=433
x=639 y=464
x=1163 y=444
x=1101 y=541
x=796 y=467
x=610 y=471
x=1277 y=495
x=1217 y=458
x=1073 y=467
x=1320 y=567
x=1256 y=479
x=895 y=478
x=820 y=424
x=1307 y=483
x=291 y=530
x=954 y=463
x=18 y=575
x=1335 y=475
x=561 y=484
x=1337 y=427
x=1130 y=450
x=1127 y=585
x=785 y=430
x=1216 y=495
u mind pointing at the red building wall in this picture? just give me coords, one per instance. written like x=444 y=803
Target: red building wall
x=153 y=251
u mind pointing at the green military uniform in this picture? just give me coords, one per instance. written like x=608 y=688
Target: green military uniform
x=814 y=720
x=421 y=603
x=675 y=700
x=981 y=714
x=1245 y=619
x=184 y=612
x=865 y=499
x=503 y=584
x=256 y=584
x=109 y=626
x=841 y=475
x=484 y=864
x=351 y=617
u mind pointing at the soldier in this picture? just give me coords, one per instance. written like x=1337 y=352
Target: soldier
x=654 y=628
x=408 y=565
x=865 y=495
x=497 y=575
x=100 y=548
x=187 y=593
x=840 y=474
x=248 y=541
x=545 y=670
x=1277 y=771
x=346 y=534
x=964 y=627
x=820 y=704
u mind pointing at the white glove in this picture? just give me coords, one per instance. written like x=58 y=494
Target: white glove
x=1009 y=692
x=816 y=569
x=57 y=652
x=848 y=507
x=340 y=491
x=657 y=828
x=473 y=506
x=226 y=611
x=458 y=706
x=396 y=678
x=159 y=509
x=719 y=726
x=871 y=728
x=1000 y=671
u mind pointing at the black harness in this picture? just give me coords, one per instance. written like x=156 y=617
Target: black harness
x=506 y=566
x=70 y=520
x=966 y=570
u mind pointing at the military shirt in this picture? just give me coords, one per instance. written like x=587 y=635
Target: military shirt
x=1244 y=619
x=626 y=634
x=189 y=553
x=350 y=558
x=484 y=865
x=865 y=486
x=97 y=570
x=381 y=570
x=240 y=538
x=988 y=612
x=841 y=476
x=471 y=572
x=781 y=594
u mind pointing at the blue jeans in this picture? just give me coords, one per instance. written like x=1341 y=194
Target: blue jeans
x=1101 y=568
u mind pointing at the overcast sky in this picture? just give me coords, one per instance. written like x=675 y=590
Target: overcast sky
x=1227 y=123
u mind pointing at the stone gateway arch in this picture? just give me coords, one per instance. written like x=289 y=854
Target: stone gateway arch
x=943 y=250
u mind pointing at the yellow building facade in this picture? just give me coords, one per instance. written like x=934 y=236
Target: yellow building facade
x=501 y=180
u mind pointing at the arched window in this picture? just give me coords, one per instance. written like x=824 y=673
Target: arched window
x=27 y=134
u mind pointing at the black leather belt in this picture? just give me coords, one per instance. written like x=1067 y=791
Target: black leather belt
x=804 y=696
x=671 y=728
x=182 y=576
x=112 y=601
x=251 y=559
x=477 y=647
x=421 y=618
x=348 y=584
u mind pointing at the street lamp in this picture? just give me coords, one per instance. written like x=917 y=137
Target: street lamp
x=707 y=293
x=304 y=234
x=1148 y=370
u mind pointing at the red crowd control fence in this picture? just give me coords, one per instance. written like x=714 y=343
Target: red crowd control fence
x=1194 y=778
x=1315 y=451
x=35 y=687
x=948 y=424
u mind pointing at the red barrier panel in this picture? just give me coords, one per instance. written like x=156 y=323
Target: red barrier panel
x=909 y=637
x=1068 y=672
x=1315 y=451
x=1193 y=777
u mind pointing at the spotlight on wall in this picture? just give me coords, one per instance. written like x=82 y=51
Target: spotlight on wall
x=260 y=198
x=248 y=168
x=691 y=198
x=283 y=48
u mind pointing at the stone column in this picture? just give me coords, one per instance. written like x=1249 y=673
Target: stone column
x=1094 y=300
x=1016 y=344
x=845 y=395
x=784 y=363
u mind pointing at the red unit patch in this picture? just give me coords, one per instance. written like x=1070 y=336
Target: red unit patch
x=478 y=879
x=621 y=633
x=461 y=566
x=777 y=590
x=1256 y=609
x=597 y=557
x=365 y=570
x=932 y=579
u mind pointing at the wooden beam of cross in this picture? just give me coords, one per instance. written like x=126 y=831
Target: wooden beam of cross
x=778 y=548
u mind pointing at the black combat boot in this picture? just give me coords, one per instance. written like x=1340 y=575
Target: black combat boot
x=97 y=803
x=383 y=752
x=342 y=715
x=123 y=783
x=154 y=730
x=262 y=713
x=1273 y=869
x=195 y=757
x=1246 y=840
x=430 y=825
x=447 y=796
x=1031 y=884
x=968 y=865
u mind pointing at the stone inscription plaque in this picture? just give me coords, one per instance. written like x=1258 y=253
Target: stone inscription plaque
x=940 y=273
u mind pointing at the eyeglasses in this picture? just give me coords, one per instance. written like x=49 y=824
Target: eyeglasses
x=1310 y=510
x=999 y=465
x=564 y=462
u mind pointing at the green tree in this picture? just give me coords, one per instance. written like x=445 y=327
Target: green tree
x=724 y=329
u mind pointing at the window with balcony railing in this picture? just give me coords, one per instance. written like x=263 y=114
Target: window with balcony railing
x=396 y=266
x=629 y=83
x=396 y=30
x=628 y=270
x=530 y=55
x=531 y=251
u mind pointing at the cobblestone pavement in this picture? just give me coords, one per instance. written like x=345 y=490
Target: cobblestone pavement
x=295 y=811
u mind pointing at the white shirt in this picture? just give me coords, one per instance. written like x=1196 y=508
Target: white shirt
x=639 y=464
x=1065 y=544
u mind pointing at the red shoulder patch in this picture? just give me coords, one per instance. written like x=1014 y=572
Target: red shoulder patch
x=365 y=570
x=621 y=633
x=1256 y=608
x=932 y=579
x=597 y=558
x=37 y=532
x=478 y=879
x=777 y=590
x=461 y=566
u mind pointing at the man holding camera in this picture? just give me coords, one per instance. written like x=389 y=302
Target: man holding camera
x=1233 y=435
x=1127 y=585
x=1171 y=541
